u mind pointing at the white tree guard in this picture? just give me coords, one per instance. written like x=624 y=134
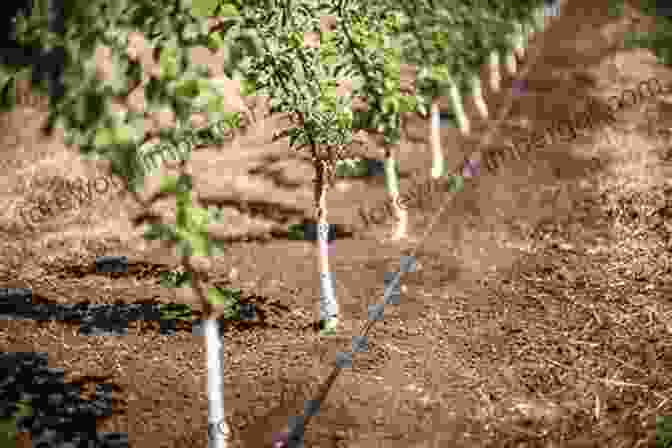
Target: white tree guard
x=218 y=433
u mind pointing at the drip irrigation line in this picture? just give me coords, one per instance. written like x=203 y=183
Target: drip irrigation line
x=295 y=436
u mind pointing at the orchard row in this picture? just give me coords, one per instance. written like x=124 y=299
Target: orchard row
x=264 y=45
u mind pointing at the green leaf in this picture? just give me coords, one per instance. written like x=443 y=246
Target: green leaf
x=126 y=134
x=296 y=232
x=24 y=408
x=455 y=183
x=175 y=185
x=156 y=231
x=215 y=41
x=174 y=279
x=344 y=167
x=664 y=431
x=181 y=216
x=216 y=296
x=168 y=61
x=8 y=92
x=154 y=92
x=8 y=429
x=216 y=105
x=247 y=87
x=198 y=218
x=189 y=88
x=175 y=311
x=183 y=248
x=351 y=168
x=217 y=249
x=104 y=137
x=227 y=298
x=200 y=244
x=391 y=105
x=184 y=184
x=198 y=241
x=169 y=185
x=231 y=120
x=407 y=103
x=229 y=10
x=8 y=432
x=245 y=44
x=215 y=214
x=168 y=279
x=183 y=279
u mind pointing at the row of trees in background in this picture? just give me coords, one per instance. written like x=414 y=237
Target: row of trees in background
x=660 y=40
x=364 y=42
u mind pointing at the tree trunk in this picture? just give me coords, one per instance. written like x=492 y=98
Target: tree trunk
x=328 y=302
x=218 y=430
x=510 y=62
x=519 y=42
x=455 y=97
x=539 y=19
x=392 y=182
x=495 y=75
x=438 y=163
x=477 y=95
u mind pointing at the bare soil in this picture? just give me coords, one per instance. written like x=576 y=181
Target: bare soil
x=539 y=316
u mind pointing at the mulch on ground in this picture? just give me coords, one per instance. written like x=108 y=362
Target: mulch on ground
x=539 y=315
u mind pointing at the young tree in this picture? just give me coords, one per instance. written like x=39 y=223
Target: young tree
x=377 y=55
x=94 y=113
x=302 y=81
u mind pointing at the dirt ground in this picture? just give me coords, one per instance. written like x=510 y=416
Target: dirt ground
x=540 y=314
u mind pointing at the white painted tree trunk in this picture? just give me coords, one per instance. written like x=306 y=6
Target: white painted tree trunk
x=539 y=19
x=528 y=31
x=551 y=12
x=477 y=95
x=519 y=42
x=510 y=63
x=458 y=108
x=218 y=430
x=438 y=163
x=392 y=182
x=493 y=69
x=328 y=302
